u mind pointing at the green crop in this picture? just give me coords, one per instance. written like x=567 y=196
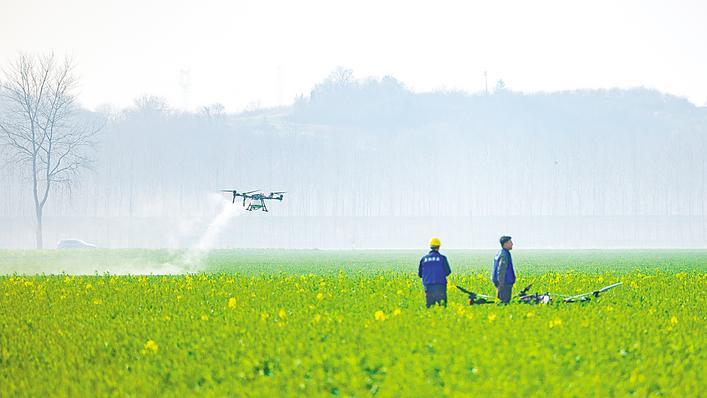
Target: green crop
x=351 y=324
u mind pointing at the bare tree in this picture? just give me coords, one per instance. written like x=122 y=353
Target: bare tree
x=41 y=126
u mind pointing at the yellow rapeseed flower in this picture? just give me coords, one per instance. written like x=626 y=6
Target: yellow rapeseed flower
x=380 y=315
x=555 y=322
x=674 y=320
x=320 y=296
x=150 y=345
x=396 y=312
x=636 y=377
x=232 y=302
x=492 y=317
x=204 y=317
x=282 y=314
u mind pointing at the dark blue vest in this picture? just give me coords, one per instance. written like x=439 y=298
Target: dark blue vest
x=510 y=273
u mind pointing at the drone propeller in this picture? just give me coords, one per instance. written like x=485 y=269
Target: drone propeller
x=239 y=193
x=278 y=193
x=525 y=290
x=233 y=191
x=595 y=293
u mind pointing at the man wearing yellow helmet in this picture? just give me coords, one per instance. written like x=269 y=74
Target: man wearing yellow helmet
x=434 y=269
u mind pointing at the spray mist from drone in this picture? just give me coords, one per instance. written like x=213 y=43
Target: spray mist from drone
x=193 y=259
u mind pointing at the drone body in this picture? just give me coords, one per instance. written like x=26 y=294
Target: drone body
x=536 y=298
x=255 y=199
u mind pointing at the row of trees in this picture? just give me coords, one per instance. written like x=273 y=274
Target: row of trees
x=373 y=148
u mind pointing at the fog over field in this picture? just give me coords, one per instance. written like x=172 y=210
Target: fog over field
x=562 y=125
x=369 y=164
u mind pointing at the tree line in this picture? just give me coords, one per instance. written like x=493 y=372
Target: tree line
x=373 y=148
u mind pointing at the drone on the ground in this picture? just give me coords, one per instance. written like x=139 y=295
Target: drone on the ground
x=256 y=200
x=538 y=298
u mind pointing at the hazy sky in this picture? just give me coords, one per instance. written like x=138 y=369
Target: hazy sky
x=257 y=53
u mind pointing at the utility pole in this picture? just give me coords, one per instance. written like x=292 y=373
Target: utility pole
x=185 y=84
x=486 y=83
x=279 y=85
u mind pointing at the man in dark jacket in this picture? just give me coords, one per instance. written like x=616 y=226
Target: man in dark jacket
x=503 y=274
x=434 y=269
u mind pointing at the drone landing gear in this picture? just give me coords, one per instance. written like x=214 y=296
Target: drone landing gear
x=252 y=207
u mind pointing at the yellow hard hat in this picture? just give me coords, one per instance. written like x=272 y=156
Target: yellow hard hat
x=434 y=242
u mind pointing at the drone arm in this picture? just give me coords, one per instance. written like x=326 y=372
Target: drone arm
x=525 y=290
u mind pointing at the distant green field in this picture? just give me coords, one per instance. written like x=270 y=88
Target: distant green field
x=529 y=262
x=347 y=323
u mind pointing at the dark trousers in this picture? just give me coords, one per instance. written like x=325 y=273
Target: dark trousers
x=435 y=294
x=504 y=293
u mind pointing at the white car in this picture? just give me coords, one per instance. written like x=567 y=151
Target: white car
x=74 y=244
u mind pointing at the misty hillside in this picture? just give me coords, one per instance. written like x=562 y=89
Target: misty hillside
x=580 y=168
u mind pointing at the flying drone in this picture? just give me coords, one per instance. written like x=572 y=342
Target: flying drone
x=538 y=298
x=256 y=199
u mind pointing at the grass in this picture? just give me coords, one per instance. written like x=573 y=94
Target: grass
x=530 y=262
x=347 y=323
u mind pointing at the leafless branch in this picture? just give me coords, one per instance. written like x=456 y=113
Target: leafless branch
x=40 y=125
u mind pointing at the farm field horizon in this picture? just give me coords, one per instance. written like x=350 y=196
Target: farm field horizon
x=255 y=261
x=347 y=323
